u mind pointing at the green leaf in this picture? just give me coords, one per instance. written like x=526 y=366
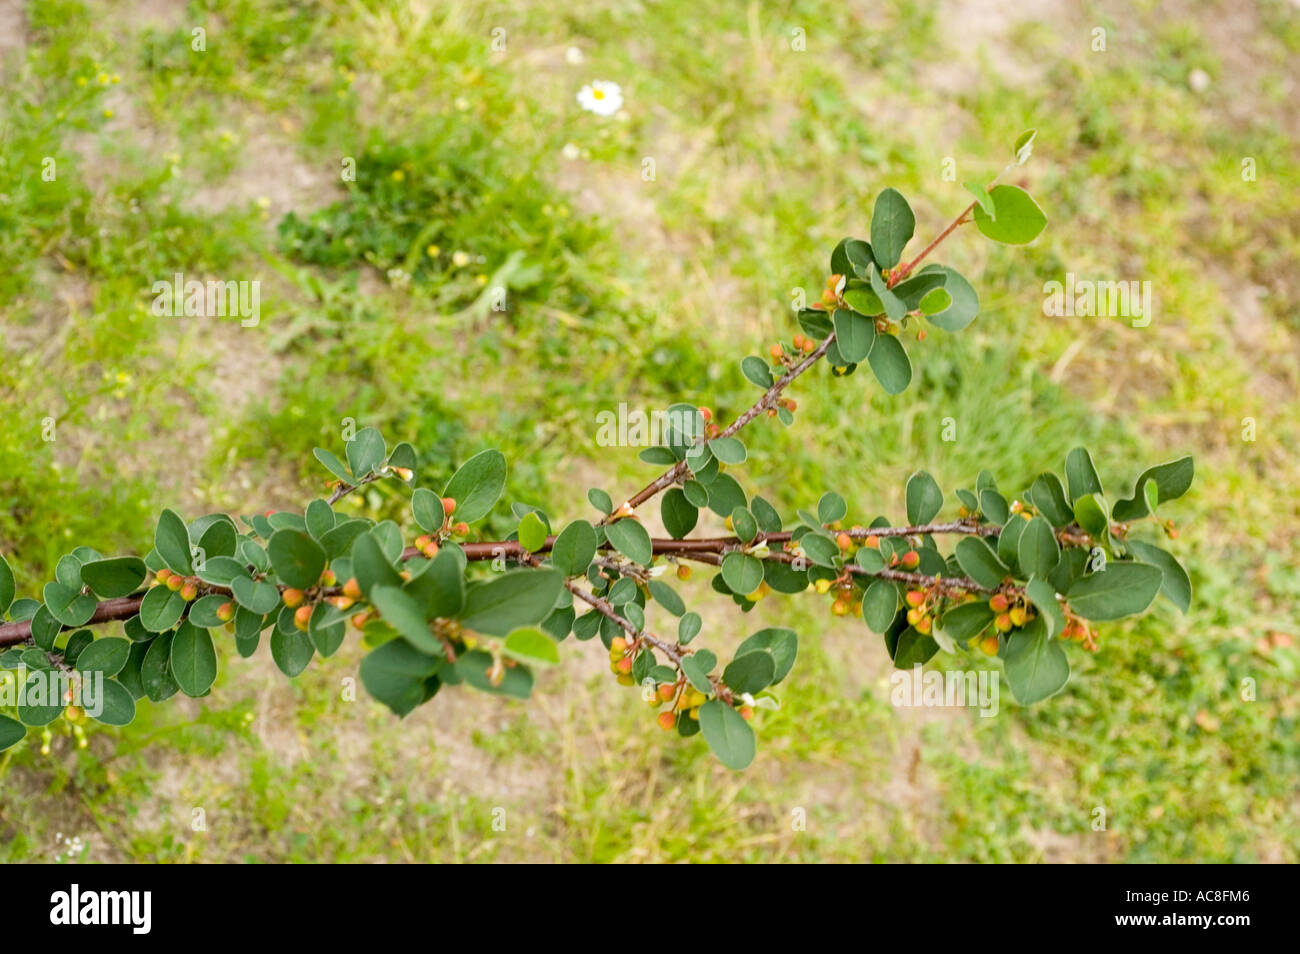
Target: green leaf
x=1019 y=220
x=117 y=707
x=70 y=607
x=994 y=506
x=473 y=668
x=366 y=451
x=395 y=674
x=1176 y=587
x=688 y=627
x=728 y=734
x=37 y=710
x=1024 y=146
x=333 y=464
x=744 y=525
x=667 y=597
x=513 y=599
x=292 y=651
x=172 y=541
x=924 y=498
x=782 y=643
x=574 y=548
x=255 y=596
x=750 y=672
x=679 y=514
x=892 y=225
x=326 y=629
x=894 y=306
x=862 y=300
x=11 y=730
x=982 y=197
x=1090 y=515
x=1172 y=481
x=879 y=605
x=320 y=518
x=120 y=576
x=7 y=590
x=1048 y=496
x=600 y=500
x=1038 y=551
x=1122 y=589
x=405 y=615
x=965 y=304
x=729 y=450
x=659 y=456
x=45 y=628
x=193 y=659
x=890 y=364
x=1043 y=595
x=629 y=538
x=478 y=485
x=107 y=655
x=530 y=645
x=854 y=334
x=850 y=257
x=532 y=532
x=831 y=507
x=297 y=559
x=757 y=371
x=77 y=644
x=156 y=669
x=697 y=667
x=966 y=620
x=979 y=562
x=1035 y=664
x=426 y=508
x=1081 y=475
x=742 y=573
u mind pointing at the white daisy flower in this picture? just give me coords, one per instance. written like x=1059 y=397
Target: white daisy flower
x=601 y=97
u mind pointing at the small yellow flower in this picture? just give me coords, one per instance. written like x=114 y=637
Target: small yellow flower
x=102 y=79
x=263 y=202
x=81 y=81
x=108 y=114
x=481 y=279
x=398 y=175
x=460 y=259
x=116 y=79
x=433 y=251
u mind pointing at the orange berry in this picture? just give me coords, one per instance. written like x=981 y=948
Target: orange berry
x=776 y=352
x=352 y=588
x=448 y=505
x=989 y=645
x=666 y=720
x=844 y=540
x=341 y=603
x=790 y=405
x=998 y=603
x=189 y=591
x=1002 y=623
x=625 y=664
x=747 y=712
x=359 y=620
x=461 y=528
x=175 y=582
x=163 y=575
x=422 y=541
x=226 y=612
x=872 y=541
x=683 y=571
x=911 y=560
x=666 y=692
x=924 y=625
x=430 y=549
x=914 y=616
x=1019 y=616
x=293 y=597
x=618 y=644
x=302 y=616
x=707 y=414
x=914 y=598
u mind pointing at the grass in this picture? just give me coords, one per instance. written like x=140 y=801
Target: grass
x=1180 y=736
